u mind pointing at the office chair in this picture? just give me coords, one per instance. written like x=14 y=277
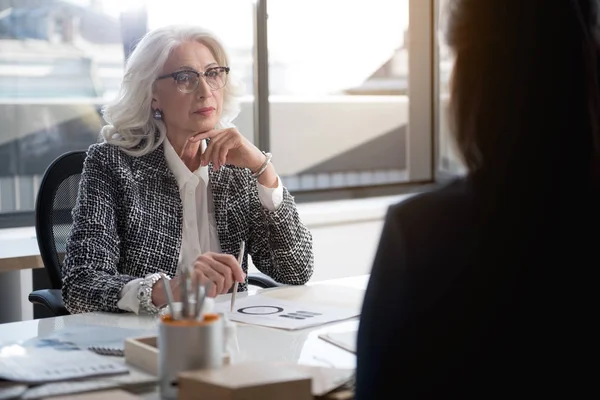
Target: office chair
x=56 y=198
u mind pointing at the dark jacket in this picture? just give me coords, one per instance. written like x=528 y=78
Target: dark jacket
x=481 y=295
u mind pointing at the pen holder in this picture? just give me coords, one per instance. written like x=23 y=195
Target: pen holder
x=186 y=345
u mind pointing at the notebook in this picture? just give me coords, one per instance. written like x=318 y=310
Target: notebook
x=35 y=365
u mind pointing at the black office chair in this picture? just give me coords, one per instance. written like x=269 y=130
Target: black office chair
x=56 y=198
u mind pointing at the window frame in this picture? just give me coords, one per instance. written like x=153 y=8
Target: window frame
x=421 y=128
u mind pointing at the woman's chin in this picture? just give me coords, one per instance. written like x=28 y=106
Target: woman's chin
x=204 y=127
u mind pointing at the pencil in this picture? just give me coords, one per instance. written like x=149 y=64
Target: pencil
x=235 y=285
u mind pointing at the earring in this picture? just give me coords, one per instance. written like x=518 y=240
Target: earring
x=157 y=114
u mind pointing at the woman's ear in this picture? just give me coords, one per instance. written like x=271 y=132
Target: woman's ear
x=155 y=104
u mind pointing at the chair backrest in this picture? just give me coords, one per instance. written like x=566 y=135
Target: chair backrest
x=55 y=200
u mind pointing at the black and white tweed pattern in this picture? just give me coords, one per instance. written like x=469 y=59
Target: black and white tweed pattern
x=127 y=223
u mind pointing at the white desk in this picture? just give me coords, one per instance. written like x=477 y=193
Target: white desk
x=256 y=343
x=19 y=249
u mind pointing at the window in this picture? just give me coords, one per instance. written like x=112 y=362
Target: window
x=349 y=99
x=59 y=61
x=338 y=74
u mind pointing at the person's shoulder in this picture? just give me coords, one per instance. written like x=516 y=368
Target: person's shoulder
x=109 y=158
x=454 y=199
x=108 y=154
x=104 y=150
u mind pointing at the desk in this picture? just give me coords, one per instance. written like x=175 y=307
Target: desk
x=20 y=266
x=19 y=250
x=256 y=343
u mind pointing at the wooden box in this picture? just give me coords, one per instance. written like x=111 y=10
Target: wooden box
x=252 y=381
x=142 y=352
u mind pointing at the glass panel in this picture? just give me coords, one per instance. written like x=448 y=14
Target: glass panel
x=59 y=61
x=338 y=72
x=449 y=162
x=231 y=21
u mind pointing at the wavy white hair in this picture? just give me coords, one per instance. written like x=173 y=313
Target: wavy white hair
x=131 y=125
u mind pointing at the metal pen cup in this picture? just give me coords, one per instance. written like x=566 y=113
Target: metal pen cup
x=185 y=345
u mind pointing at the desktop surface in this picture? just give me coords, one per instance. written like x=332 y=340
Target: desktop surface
x=254 y=343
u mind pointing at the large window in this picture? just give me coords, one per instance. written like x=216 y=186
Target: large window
x=338 y=74
x=345 y=78
x=59 y=61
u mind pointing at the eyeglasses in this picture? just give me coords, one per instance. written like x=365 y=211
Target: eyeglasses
x=187 y=81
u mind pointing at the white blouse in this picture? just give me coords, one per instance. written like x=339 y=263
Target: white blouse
x=199 y=231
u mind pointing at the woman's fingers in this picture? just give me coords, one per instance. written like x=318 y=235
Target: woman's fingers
x=207 y=135
x=225 y=272
x=225 y=147
x=217 y=279
x=231 y=262
x=219 y=147
x=221 y=269
x=211 y=154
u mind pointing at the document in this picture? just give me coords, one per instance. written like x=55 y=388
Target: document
x=345 y=340
x=49 y=362
x=283 y=314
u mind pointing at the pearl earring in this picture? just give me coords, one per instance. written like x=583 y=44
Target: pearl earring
x=157 y=114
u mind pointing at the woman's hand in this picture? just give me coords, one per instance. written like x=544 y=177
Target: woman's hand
x=229 y=146
x=222 y=270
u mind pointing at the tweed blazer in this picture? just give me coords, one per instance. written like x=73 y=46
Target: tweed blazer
x=128 y=219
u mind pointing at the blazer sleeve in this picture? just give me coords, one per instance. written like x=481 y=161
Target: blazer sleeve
x=91 y=280
x=279 y=243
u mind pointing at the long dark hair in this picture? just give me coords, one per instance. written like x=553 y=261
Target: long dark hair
x=525 y=103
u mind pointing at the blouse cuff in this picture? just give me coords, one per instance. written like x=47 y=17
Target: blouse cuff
x=128 y=297
x=271 y=198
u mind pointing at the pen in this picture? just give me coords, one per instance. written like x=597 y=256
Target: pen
x=201 y=293
x=185 y=293
x=235 y=285
x=196 y=295
x=168 y=294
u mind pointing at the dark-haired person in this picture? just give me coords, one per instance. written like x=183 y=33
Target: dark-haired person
x=482 y=289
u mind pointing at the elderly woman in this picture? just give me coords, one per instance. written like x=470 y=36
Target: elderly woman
x=175 y=185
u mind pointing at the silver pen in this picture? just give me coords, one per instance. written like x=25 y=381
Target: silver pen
x=201 y=293
x=235 y=285
x=196 y=296
x=168 y=294
x=186 y=288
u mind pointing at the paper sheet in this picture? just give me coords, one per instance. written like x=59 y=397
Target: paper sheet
x=345 y=340
x=63 y=355
x=136 y=380
x=283 y=314
x=53 y=363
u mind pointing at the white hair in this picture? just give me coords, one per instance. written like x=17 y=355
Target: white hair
x=131 y=125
